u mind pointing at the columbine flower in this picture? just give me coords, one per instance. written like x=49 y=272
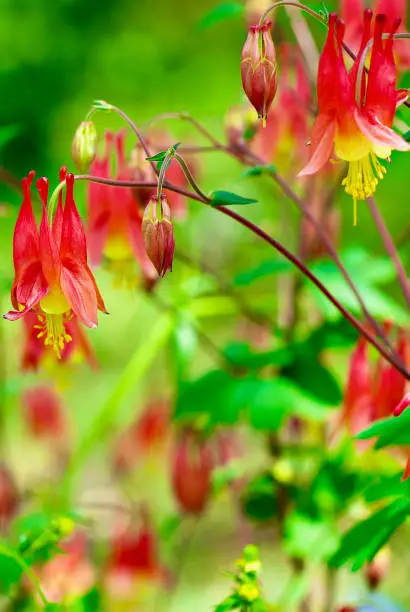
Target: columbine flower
x=43 y=413
x=36 y=354
x=52 y=276
x=134 y=571
x=357 y=133
x=258 y=68
x=115 y=219
x=191 y=473
x=358 y=405
x=158 y=234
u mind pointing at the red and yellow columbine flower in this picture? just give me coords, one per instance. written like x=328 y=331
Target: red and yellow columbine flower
x=115 y=219
x=357 y=132
x=52 y=276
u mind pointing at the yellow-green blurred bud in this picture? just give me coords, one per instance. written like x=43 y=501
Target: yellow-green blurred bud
x=248 y=592
x=84 y=145
x=64 y=526
x=283 y=471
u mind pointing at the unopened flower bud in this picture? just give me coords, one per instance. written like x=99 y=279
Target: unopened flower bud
x=191 y=473
x=377 y=569
x=84 y=145
x=158 y=233
x=258 y=68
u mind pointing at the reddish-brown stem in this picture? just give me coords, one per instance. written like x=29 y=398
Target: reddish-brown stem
x=391 y=358
x=390 y=248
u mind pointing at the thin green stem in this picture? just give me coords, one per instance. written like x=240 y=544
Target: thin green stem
x=53 y=201
x=189 y=176
x=12 y=554
x=298 y=5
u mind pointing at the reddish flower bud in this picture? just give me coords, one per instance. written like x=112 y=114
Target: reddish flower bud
x=191 y=473
x=258 y=68
x=43 y=413
x=376 y=570
x=9 y=497
x=84 y=145
x=158 y=235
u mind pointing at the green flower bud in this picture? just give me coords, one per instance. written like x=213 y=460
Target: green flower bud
x=84 y=145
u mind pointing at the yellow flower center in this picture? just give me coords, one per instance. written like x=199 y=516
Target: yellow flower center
x=118 y=248
x=363 y=176
x=55 y=312
x=123 y=273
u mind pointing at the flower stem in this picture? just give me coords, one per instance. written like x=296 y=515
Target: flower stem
x=389 y=356
x=189 y=176
x=12 y=554
x=390 y=248
x=299 y=5
x=53 y=200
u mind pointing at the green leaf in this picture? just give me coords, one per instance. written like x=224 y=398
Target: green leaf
x=259 y=170
x=232 y=602
x=314 y=378
x=158 y=156
x=383 y=486
x=309 y=539
x=406 y=136
x=10 y=573
x=259 y=499
x=368 y=273
x=393 y=431
x=221 y=12
x=215 y=395
x=266 y=268
x=364 y=540
x=240 y=354
x=226 y=198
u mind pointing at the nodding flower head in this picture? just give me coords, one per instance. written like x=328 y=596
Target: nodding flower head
x=84 y=145
x=52 y=277
x=258 y=68
x=158 y=232
x=355 y=119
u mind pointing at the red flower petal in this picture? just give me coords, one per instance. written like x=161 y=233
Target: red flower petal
x=50 y=258
x=73 y=242
x=30 y=289
x=25 y=239
x=323 y=134
x=79 y=289
x=380 y=134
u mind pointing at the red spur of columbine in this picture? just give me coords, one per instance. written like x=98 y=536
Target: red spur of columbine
x=258 y=68
x=357 y=131
x=52 y=276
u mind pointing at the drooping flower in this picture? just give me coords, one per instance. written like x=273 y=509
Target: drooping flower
x=358 y=403
x=9 y=496
x=390 y=384
x=158 y=234
x=192 y=467
x=134 y=571
x=258 y=68
x=43 y=413
x=115 y=220
x=52 y=276
x=357 y=131
x=144 y=437
x=36 y=353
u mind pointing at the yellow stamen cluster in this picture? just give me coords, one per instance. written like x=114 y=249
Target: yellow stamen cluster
x=363 y=176
x=52 y=328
